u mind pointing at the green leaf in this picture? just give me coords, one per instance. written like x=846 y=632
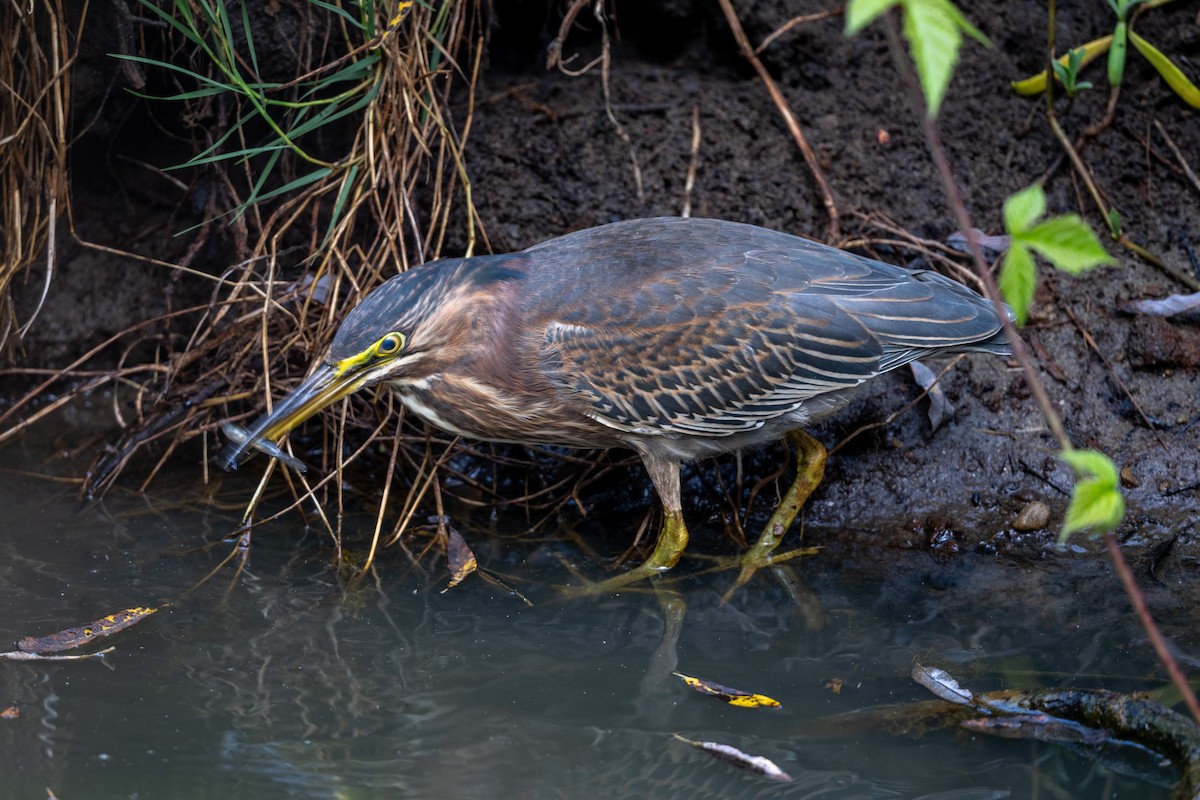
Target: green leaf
x=934 y=38
x=1114 y=222
x=250 y=39
x=303 y=180
x=1116 y=54
x=1018 y=280
x=965 y=25
x=1170 y=73
x=340 y=204
x=1022 y=209
x=1067 y=243
x=182 y=70
x=341 y=12
x=1096 y=502
x=861 y=13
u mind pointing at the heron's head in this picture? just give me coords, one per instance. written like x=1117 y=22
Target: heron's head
x=404 y=331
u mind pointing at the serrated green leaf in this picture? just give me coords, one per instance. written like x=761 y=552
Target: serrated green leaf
x=934 y=38
x=964 y=24
x=861 y=13
x=1018 y=280
x=1096 y=501
x=1022 y=209
x=1091 y=464
x=1067 y=243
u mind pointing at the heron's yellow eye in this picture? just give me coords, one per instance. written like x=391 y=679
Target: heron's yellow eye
x=390 y=345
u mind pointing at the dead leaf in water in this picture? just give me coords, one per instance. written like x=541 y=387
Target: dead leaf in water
x=461 y=558
x=735 y=697
x=71 y=638
x=942 y=684
x=12 y=712
x=759 y=765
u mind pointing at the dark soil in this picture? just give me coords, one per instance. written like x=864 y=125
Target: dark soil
x=545 y=159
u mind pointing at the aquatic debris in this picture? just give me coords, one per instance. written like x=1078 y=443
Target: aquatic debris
x=70 y=638
x=43 y=648
x=1104 y=721
x=241 y=437
x=759 y=765
x=942 y=684
x=461 y=558
x=735 y=697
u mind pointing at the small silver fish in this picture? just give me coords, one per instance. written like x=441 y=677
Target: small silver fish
x=240 y=438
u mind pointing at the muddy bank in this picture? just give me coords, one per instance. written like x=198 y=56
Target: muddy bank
x=545 y=158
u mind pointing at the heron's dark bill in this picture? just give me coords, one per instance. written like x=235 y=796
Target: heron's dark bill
x=325 y=386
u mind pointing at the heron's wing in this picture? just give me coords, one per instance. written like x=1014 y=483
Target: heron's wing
x=750 y=329
x=711 y=376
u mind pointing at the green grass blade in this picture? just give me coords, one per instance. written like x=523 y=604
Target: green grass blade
x=341 y=12
x=300 y=182
x=250 y=39
x=176 y=68
x=247 y=152
x=339 y=205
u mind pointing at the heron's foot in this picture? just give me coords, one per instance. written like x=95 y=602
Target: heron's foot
x=672 y=540
x=751 y=562
x=810 y=469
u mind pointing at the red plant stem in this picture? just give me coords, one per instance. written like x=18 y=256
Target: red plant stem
x=1156 y=638
x=942 y=162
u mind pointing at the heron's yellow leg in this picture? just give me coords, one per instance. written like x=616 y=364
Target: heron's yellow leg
x=810 y=469
x=672 y=541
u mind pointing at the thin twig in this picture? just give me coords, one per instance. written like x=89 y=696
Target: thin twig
x=793 y=22
x=950 y=186
x=1112 y=372
x=1183 y=164
x=789 y=119
x=693 y=163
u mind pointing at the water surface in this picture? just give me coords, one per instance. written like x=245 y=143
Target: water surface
x=288 y=681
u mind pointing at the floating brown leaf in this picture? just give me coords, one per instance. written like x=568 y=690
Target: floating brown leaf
x=74 y=637
x=12 y=712
x=735 y=697
x=759 y=765
x=462 y=560
x=835 y=685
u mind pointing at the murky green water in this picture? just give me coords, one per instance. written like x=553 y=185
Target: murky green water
x=284 y=681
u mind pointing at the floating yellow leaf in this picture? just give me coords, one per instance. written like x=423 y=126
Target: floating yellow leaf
x=74 y=637
x=735 y=697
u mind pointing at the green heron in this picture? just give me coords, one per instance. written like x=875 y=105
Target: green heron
x=676 y=338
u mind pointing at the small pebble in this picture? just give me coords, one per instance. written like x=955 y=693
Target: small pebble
x=1128 y=479
x=1034 y=516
